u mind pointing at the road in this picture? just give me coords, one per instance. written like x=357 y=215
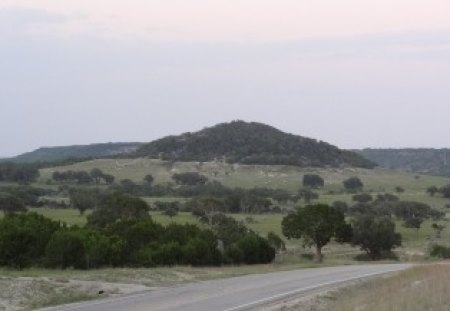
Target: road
x=235 y=294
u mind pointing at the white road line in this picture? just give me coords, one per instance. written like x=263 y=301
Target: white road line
x=304 y=289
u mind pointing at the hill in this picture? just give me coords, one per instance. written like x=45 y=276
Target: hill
x=426 y=161
x=250 y=143
x=51 y=154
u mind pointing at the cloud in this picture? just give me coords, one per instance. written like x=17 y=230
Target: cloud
x=17 y=22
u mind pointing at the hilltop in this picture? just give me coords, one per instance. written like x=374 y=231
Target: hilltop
x=426 y=161
x=250 y=143
x=52 y=154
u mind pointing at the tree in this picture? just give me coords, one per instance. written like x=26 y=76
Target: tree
x=118 y=207
x=313 y=181
x=10 y=204
x=171 y=212
x=83 y=199
x=375 y=235
x=353 y=184
x=97 y=175
x=432 y=190
x=307 y=195
x=190 y=179
x=149 y=179
x=109 y=179
x=315 y=224
x=445 y=191
x=437 y=229
x=362 y=198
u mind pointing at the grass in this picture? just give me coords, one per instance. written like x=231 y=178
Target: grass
x=247 y=176
x=417 y=289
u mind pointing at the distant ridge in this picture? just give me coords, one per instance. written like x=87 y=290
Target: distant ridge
x=52 y=154
x=419 y=160
x=250 y=143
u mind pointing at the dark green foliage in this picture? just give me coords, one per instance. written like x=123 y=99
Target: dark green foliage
x=431 y=161
x=440 y=251
x=33 y=240
x=353 y=184
x=80 y=152
x=23 y=239
x=256 y=249
x=190 y=179
x=250 y=143
x=432 y=190
x=19 y=173
x=375 y=235
x=387 y=197
x=171 y=212
x=149 y=179
x=340 y=206
x=276 y=242
x=315 y=224
x=399 y=189
x=83 y=199
x=362 y=198
x=313 y=181
x=10 y=204
x=118 y=207
x=80 y=177
x=66 y=250
x=445 y=191
x=307 y=195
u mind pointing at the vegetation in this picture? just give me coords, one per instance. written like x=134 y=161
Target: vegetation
x=428 y=161
x=57 y=154
x=421 y=288
x=375 y=235
x=313 y=181
x=250 y=143
x=316 y=225
x=18 y=173
x=353 y=184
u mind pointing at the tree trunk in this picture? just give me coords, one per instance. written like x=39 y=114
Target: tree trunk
x=319 y=256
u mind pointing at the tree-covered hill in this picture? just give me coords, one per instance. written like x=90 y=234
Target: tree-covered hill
x=52 y=154
x=250 y=143
x=428 y=161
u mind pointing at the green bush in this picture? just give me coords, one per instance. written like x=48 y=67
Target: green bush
x=440 y=251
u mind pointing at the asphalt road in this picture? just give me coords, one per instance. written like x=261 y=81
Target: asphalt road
x=235 y=294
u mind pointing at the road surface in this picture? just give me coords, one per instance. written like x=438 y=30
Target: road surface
x=237 y=293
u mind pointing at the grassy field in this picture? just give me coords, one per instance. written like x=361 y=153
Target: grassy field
x=417 y=289
x=247 y=176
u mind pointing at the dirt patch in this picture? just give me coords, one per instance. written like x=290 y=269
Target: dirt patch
x=26 y=293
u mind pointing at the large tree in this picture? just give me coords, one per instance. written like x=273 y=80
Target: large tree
x=353 y=184
x=375 y=235
x=316 y=225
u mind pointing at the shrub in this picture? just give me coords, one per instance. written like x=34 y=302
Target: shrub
x=440 y=251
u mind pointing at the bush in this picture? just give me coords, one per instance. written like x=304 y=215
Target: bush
x=66 y=250
x=440 y=251
x=256 y=250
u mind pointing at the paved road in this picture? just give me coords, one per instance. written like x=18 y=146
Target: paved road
x=235 y=294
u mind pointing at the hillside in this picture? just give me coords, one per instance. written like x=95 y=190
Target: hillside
x=50 y=154
x=250 y=143
x=428 y=161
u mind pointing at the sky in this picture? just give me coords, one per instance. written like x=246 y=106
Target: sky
x=355 y=73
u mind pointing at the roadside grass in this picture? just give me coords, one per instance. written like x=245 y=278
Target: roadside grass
x=417 y=289
x=21 y=293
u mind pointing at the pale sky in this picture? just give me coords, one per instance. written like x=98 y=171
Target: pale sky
x=354 y=73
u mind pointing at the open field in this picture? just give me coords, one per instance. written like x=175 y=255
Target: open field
x=421 y=288
x=247 y=176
